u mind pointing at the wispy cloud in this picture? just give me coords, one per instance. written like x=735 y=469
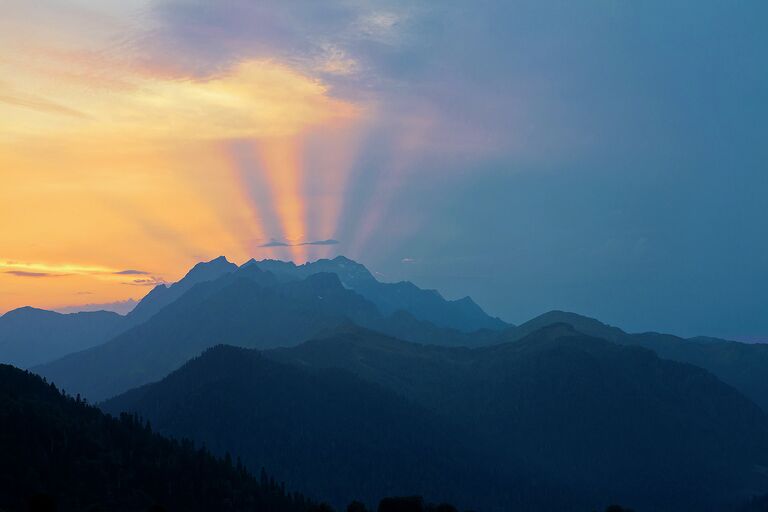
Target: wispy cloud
x=279 y=243
x=24 y=273
x=275 y=243
x=41 y=270
x=145 y=281
x=330 y=241
x=39 y=104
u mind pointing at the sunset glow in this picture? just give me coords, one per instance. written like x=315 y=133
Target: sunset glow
x=132 y=156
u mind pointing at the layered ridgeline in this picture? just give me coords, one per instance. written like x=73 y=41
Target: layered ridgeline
x=29 y=337
x=555 y=420
x=247 y=307
x=61 y=454
x=153 y=349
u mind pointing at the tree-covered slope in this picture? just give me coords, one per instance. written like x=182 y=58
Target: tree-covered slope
x=326 y=431
x=604 y=420
x=61 y=454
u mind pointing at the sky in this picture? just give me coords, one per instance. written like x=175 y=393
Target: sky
x=603 y=157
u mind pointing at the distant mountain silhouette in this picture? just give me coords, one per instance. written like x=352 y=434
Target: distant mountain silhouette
x=428 y=305
x=249 y=308
x=560 y=420
x=31 y=336
x=60 y=454
x=162 y=295
x=326 y=432
x=374 y=305
x=233 y=310
x=742 y=365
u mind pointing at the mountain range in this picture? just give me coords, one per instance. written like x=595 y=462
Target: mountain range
x=349 y=388
x=556 y=420
x=247 y=307
x=61 y=454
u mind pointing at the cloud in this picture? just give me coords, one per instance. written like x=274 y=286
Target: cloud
x=146 y=281
x=37 y=269
x=39 y=104
x=44 y=269
x=330 y=241
x=278 y=243
x=24 y=273
x=250 y=98
x=408 y=260
x=275 y=243
x=336 y=61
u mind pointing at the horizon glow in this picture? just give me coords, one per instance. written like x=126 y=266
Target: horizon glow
x=98 y=146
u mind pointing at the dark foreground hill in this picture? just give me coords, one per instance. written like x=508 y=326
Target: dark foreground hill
x=61 y=454
x=604 y=419
x=325 y=431
x=555 y=421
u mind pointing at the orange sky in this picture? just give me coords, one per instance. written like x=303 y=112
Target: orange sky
x=107 y=165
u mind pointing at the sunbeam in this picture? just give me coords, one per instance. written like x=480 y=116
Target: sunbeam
x=281 y=162
x=330 y=157
x=388 y=184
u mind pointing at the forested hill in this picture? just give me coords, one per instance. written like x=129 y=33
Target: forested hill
x=61 y=454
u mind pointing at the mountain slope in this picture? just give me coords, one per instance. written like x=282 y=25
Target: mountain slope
x=60 y=454
x=326 y=432
x=742 y=365
x=162 y=295
x=601 y=419
x=556 y=420
x=234 y=310
x=30 y=336
x=428 y=305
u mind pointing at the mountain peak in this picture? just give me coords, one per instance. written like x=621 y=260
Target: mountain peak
x=208 y=270
x=28 y=311
x=343 y=259
x=582 y=324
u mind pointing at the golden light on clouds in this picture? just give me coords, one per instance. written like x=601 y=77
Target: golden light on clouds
x=44 y=269
x=253 y=99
